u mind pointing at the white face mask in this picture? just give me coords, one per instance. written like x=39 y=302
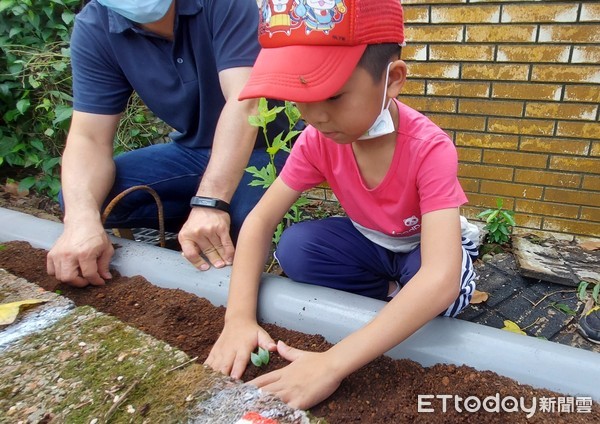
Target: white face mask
x=140 y=11
x=384 y=124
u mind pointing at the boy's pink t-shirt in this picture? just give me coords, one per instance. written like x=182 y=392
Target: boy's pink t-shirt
x=422 y=176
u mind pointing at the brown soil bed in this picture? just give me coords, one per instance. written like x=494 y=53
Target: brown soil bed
x=385 y=391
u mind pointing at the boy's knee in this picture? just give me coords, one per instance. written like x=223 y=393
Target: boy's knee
x=292 y=253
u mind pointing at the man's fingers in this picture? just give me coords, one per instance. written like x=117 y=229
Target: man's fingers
x=189 y=250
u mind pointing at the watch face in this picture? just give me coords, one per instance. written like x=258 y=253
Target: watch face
x=211 y=203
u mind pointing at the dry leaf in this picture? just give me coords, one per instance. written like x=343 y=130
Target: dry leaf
x=12 y=188
x=590 y=245
x=513 y=327
x=479 y=297
x=10 y=311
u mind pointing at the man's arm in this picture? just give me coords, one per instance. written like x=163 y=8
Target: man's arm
x=312 y=377
x=207 y=230
x=241 y=333
x=82 y=254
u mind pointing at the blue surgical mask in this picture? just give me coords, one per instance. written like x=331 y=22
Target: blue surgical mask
x=140 y=11
x=384 y=124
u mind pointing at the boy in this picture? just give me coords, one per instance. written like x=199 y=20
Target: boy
x=393 y=171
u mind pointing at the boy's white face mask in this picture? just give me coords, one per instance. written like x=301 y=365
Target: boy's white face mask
x=384 y=124
x=140 y=11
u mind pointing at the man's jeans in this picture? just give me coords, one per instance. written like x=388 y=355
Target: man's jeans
x=174 y=172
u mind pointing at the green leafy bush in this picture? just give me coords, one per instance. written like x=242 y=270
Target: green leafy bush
x=35 y=84
x=35 y=92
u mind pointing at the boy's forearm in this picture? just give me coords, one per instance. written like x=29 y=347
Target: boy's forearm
x=416 y=304
x=251 y=253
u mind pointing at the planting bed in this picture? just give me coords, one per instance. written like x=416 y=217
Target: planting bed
x=385 y=391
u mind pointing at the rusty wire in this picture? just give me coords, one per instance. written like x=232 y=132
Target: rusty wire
x=159 y=205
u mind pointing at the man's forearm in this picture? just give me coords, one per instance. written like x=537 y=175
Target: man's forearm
x=88 y=174
x=232 y=147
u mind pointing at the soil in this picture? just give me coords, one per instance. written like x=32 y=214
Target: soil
x=385 y=391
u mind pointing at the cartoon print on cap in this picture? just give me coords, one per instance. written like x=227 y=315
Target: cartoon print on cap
x=288 y=15
x=320 y=15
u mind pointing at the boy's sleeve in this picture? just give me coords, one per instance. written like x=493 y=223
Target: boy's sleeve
x=302 y=169
x=437 y=178
x=234 y=29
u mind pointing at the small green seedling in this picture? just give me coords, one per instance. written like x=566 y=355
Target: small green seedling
x=261 y=358
x=499 y=223
x=582 y=291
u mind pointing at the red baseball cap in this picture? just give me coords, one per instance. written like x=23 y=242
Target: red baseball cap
x=311 y=47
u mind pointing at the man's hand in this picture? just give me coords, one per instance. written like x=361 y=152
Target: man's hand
x=231 y=352
x=206 y=232
x=309 y=379
x=81 y=256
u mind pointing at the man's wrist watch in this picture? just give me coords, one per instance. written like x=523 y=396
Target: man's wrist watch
x=209 y=202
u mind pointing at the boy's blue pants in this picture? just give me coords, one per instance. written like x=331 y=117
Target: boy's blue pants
x=331 y=252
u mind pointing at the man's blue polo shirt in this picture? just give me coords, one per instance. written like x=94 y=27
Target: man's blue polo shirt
x=178 y=80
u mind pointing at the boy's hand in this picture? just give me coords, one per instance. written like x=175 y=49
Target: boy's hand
x=308 y=380
x=231 y=353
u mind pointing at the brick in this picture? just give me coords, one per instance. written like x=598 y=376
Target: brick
x=511 y=190
x=526 y=91
x=459 y=122
x=420 y=2
x=566 y=73
x=487 y=140
x=501 y=72
x=521 y=126
x=547 y=178
x=465 y=14
x=414 y=87
x=586 y=54
x=575 y=164
x=437 y=33
x=414 y=52
x=578 y=130
x=554 y=145
x=430 y=104
x=589 y=229
x=458 y=88
x=537 y=54
x=547 y=209
x=469 y=155
x=595 y=150
x=497 y=173
x=501 y=33
x=528 y=221
x=469 y=184
x=582 y=93
x=590 y=12
x=570 y=34
x=526 y=160
x=461 y=52
x=433 y=70
x=561 y=111
x=416 y=14
x=591 y=182
x=486 y=201
x=575 y=197
x=539 y=12
x=491 y=107
x=590 y=214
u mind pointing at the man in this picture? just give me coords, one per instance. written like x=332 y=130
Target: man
x=187 y=61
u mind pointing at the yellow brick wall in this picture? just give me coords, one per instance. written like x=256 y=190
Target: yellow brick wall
x=516 y=84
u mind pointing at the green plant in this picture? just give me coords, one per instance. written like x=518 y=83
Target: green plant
x=586 y=288
x=35 y=92
x=265 y=176
x=499 y=223
x=261 y=358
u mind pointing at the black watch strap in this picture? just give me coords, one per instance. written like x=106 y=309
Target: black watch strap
x=209 y=202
